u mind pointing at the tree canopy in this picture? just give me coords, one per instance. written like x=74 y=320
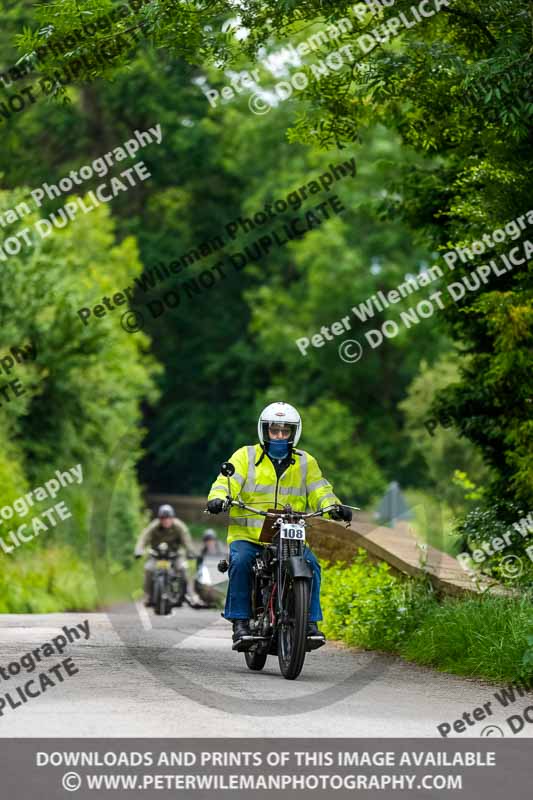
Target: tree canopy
x=438 y=120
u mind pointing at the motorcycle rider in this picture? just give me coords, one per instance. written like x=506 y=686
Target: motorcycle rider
x=270 y=474
x=166 y=528
x=211 y=546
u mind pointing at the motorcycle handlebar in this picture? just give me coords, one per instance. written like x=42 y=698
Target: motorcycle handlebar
x=302 y=514
x=231 y=502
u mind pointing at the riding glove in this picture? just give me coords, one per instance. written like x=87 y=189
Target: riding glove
x=341 y=513
x=215 y=506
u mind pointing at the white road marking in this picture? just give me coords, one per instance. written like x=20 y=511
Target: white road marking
x=144 y=616
x=214 y=636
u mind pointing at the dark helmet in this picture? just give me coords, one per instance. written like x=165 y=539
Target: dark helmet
x=165 y=511
x=209 y=535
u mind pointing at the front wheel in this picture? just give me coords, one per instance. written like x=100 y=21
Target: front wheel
x=161 y=600
x=293 y=629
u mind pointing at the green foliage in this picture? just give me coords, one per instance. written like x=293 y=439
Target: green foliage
x=491 y=406
x=470 y=490
x=444 y=451
x=12 y=480
x=484 y=637
x=486 y=522
x=83 y=390
x=439 y=122
x=318 y=281
x=206 y=173
x=487 y=637
x=527 y=661
x=45 y=582
x=456 y=87
x=331 y=434
x=57 y=578
x=432 y=520
x=366 y=606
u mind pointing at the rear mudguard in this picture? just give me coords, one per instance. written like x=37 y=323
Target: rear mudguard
x=298 y=567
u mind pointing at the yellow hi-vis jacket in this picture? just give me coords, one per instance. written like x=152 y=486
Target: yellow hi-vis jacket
x=301 y=485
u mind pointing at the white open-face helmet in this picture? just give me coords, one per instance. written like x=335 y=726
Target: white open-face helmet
x=276 y=414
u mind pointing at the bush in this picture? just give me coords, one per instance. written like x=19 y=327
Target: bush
x=46 y=581
x=485 y=636
x=56 y=580
x=484 y=523
x=365 y=605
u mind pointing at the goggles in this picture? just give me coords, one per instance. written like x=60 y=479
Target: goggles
x=280 y=427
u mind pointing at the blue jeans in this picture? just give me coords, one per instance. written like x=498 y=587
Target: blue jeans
x=241 y=556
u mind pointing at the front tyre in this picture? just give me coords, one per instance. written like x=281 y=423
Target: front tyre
x=161 y=601
x=292 y=636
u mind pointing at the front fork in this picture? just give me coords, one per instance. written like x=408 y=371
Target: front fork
x=292 y=566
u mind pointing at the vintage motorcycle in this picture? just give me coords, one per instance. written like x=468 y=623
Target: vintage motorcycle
x=281 y=589
x=169 y=586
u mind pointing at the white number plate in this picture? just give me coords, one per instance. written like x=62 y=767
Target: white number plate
x=294 y=532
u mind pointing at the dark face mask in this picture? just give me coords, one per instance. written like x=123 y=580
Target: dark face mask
x=278 y=448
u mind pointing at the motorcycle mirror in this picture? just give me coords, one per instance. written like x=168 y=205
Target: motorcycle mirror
x=227 y=469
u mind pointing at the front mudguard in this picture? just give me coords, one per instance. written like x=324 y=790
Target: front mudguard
x=298 y=567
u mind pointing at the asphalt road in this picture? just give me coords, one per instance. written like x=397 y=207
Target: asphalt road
x=141 y=675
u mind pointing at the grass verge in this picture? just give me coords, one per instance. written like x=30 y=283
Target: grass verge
x=485 y=637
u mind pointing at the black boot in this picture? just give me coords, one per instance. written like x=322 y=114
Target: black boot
x=312 y=630
x=315 y=637
x=241 y=629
